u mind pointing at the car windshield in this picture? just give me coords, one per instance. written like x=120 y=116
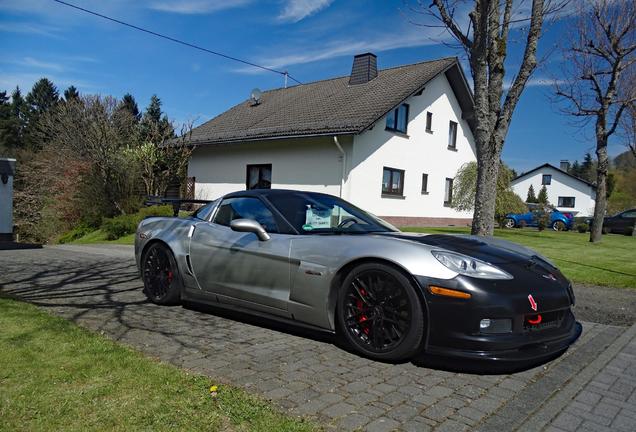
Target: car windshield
x=312 y=213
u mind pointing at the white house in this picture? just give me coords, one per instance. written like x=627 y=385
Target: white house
x=389 y=141
x=7 y=171
x=565 y=191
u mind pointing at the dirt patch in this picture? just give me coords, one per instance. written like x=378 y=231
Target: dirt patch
x=615 y=306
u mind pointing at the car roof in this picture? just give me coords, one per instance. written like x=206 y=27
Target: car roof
x=271 y=192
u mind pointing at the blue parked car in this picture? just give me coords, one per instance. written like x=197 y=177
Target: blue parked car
x=559 y=221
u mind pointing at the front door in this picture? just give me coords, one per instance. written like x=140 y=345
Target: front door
x=238 y=267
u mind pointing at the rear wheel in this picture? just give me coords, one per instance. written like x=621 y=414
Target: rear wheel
x=558 y=225
x=509 y=223
x=380 y=314
x=162 y=282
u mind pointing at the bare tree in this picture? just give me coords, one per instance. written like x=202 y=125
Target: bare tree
x=595 y=67
x=484 y=35
x=627 y=122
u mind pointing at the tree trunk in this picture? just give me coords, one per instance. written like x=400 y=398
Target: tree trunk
x=486 y=193
x=601 y=189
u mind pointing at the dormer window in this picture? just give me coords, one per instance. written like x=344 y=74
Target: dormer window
x=397 y=119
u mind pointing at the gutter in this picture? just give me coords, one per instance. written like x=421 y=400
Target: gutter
x=344 y=162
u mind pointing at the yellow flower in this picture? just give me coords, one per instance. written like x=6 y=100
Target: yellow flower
x=213 y=389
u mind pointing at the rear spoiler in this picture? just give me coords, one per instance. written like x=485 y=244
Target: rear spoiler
x=176 y=203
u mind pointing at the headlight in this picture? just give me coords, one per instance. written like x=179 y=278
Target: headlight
x=468 y=266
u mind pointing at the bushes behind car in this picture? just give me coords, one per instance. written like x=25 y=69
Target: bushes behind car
x=120 y=226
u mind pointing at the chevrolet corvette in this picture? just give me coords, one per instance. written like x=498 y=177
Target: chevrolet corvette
x=315 y=260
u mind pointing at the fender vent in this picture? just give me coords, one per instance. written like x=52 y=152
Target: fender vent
x=189 y=264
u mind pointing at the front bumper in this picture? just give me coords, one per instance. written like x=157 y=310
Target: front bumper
x=453 y=324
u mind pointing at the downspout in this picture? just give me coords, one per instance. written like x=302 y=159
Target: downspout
x=344 y=162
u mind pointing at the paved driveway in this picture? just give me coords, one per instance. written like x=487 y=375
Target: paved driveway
x=304 y=374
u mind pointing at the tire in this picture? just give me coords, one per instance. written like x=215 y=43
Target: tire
x=558 y=225
x=380 y=314
x=509 y=223
x=162 y=281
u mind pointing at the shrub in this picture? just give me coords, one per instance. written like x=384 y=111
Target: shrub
x=76 y=233
x=543 y=221
x=582 y=228
x=120 y=226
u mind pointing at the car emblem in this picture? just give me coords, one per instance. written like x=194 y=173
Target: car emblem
x=533 y=304
x=550 y=276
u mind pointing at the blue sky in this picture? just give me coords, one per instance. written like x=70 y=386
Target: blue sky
x=312 y=39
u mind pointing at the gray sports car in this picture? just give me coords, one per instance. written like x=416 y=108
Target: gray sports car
x=310 y=259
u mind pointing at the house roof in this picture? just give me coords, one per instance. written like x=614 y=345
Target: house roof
x=547 y=165
x=330 y=107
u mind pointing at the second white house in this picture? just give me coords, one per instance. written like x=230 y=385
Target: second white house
x=565 y=191
x=390 y=141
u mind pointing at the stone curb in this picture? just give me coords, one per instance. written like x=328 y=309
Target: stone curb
x=552 y=407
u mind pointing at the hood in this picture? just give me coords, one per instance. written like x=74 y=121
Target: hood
x=489 y=249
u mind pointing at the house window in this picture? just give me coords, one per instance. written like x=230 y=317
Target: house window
x=546 y=180
x=424 y=184
x=452 y=135
x=566 y=202
x=448 y=192
x=259 y=177
x=392 y=181
x=429 y=121
x=397 y=119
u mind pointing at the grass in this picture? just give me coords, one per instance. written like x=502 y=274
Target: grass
x=609 y=263
x=58 y=376
x=99 y=236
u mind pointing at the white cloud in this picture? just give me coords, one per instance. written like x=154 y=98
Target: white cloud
x=296 y=10
x=33 y=63
x=29 y=28
x=348 y=47
x=193 y=7
x=26 y=80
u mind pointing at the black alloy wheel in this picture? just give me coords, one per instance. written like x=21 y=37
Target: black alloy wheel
x=380 y=313
x=162 y=283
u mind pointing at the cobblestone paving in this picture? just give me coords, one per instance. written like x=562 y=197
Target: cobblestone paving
x=308 y=374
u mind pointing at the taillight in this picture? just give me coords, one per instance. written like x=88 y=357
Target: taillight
x=568 y=215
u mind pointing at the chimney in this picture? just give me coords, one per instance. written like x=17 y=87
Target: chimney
x=365 y=68
x=565 y=165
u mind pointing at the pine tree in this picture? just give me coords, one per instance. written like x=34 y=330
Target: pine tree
x=532 y=198
x=42 y=98
x=71 y=93
x=129 y=104
x=542 y=198
x=155 y=126
x=575 y=169
x=5 y=122
x=587 y=168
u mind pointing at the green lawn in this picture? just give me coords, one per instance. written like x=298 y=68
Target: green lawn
x=55 y=375
x=99 y=236
x=612 y=262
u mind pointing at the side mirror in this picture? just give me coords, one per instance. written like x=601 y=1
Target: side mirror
x=250 y=225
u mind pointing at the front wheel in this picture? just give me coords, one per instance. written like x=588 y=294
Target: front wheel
x=509 y=223
x=380 y=314
x=558 y=225
x=162 y=282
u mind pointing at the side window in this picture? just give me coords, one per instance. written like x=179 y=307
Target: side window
x=258 y=177
x=629 y=214
x=424 y=184
x=429 y=121
x=546 y=179
x=245 y=208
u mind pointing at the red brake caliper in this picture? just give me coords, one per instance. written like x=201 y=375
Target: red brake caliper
x=170 y=276
x=363 y=318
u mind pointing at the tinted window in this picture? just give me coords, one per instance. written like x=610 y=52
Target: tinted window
x=245 y=208
x=203 y=213
x=629 y=214
x=318 y=214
